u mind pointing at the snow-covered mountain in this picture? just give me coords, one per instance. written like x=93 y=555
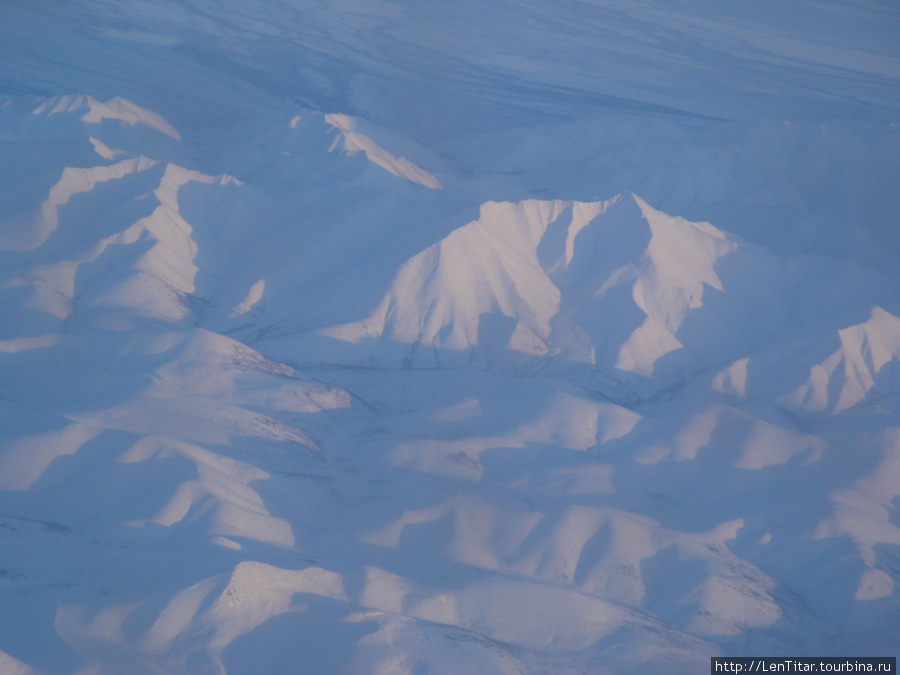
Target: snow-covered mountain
x=397 y=337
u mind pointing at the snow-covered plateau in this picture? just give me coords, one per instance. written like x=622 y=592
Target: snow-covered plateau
x=409 y=337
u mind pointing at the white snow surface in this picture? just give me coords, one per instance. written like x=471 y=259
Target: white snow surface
x=403 y=337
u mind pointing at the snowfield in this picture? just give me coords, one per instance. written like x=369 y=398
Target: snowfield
x=414 y=337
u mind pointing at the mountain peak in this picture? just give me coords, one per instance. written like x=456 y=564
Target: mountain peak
x=547 y=278
x=116 y=108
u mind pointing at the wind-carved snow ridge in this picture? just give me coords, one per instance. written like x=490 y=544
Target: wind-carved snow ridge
x=352 y=141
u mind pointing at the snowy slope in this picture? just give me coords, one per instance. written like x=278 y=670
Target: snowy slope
x=398 y=337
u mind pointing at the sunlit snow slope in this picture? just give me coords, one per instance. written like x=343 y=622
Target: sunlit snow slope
x=405 y=337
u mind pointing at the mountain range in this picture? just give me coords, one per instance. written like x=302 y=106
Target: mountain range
x=494 y=338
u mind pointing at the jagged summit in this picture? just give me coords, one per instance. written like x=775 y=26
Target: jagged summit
x=605 y=283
